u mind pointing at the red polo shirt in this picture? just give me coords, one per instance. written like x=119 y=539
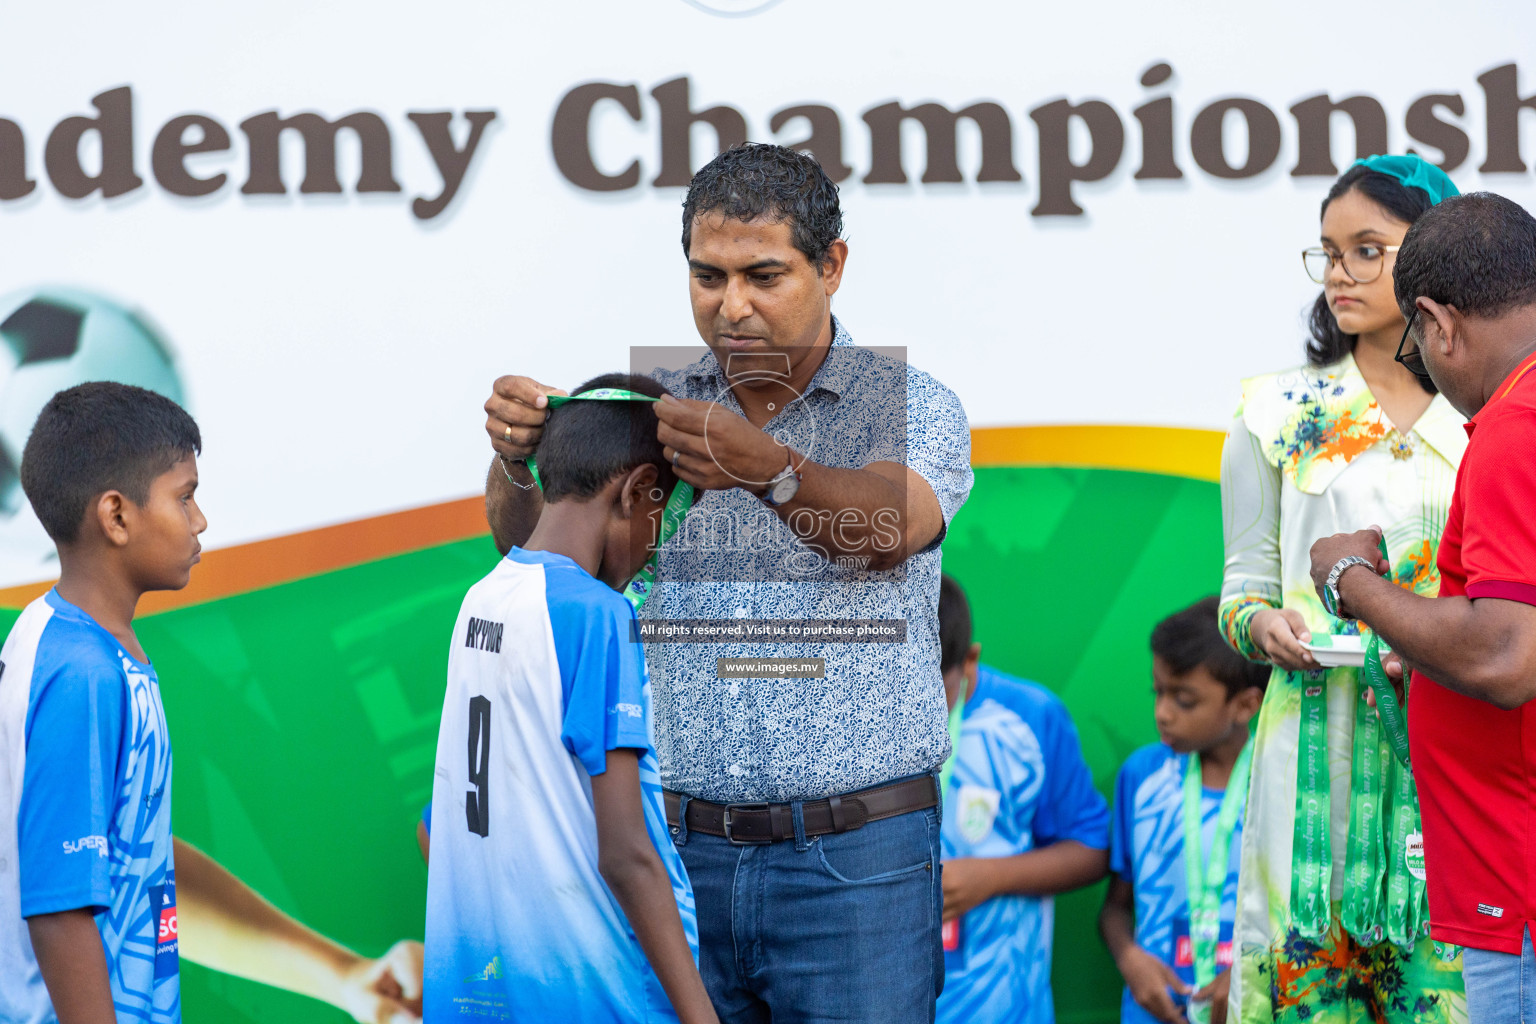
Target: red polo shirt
x=1476 y=765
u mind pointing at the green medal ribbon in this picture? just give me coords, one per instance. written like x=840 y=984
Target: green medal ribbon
x=1384 y=893
x=678 y=502
x=1205 y=888
x=956 y=714
x=1365 y=861
x=1311 y=855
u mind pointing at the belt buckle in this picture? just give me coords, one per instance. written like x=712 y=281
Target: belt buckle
x=725 y=820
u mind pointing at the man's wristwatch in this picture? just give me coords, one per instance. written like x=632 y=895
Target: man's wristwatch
x=785 y=485
x=1331 y=596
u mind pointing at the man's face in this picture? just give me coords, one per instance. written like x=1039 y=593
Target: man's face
x=756 y=298
x=162 y=538
x=1456 y=380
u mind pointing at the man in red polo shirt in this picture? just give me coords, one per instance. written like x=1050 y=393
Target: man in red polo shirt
x=1466 y=280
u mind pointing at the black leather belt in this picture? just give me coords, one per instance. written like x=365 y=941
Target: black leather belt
x=753 y=823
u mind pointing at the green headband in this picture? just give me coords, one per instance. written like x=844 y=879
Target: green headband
x=678 y=502
x=1414 y=172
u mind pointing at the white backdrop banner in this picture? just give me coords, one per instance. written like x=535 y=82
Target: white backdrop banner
x=327 y=228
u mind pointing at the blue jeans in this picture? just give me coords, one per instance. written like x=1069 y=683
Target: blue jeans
x=1501 y=987
x=840 y=927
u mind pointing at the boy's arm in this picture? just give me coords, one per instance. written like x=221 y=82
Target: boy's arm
x=634 y=871
x=225 y=925
x=1068 y=820
x=1057 y=868
x=74 y=966
x=1145 y=975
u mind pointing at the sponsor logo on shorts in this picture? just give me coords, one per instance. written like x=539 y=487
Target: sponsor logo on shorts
x=632 y=710
x=1490 y=910
x=97 y=843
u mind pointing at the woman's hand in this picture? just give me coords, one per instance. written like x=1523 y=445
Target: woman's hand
x=1280 y=633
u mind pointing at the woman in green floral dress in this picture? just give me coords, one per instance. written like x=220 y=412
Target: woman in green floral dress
x=1331 y=925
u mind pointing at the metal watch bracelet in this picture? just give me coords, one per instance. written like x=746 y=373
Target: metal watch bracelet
x=1331 y=596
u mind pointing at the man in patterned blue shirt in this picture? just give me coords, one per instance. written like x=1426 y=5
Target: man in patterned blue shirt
x=806 y=809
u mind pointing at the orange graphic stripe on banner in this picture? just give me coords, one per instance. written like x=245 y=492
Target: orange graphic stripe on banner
x=266 y=563
x=1170 y=451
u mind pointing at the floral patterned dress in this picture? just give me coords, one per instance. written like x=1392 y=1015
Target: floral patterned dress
x=1311 y=454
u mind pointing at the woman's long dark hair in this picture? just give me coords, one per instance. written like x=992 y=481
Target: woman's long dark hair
x=1328 y=343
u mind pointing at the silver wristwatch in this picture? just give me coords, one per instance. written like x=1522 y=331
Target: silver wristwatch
x=785 y=485
x=1331 y=596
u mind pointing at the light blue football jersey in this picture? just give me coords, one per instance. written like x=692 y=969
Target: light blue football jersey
x=85 y=811
x=1019 y=783
x=543 y=681
x=1147 y=849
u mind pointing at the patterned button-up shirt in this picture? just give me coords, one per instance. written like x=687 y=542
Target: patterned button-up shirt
x=879 y=712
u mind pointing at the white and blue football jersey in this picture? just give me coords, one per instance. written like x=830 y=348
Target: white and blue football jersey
x=1147 y=850
x=543 y=680
x=1019 y=783
x=85 y=811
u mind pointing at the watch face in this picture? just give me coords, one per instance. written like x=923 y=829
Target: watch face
x=783 y=490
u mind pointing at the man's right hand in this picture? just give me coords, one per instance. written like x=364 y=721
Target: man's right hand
x=1149 y=980
x=515 y=414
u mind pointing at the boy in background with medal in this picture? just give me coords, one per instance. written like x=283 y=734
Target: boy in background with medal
x=1022 y=822
x=1167 y=917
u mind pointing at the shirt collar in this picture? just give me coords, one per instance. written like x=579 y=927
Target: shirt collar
x=1440 y=425
x=1515 y=377
x=834 y=375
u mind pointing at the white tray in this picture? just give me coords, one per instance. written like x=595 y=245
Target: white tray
x=1334 y=651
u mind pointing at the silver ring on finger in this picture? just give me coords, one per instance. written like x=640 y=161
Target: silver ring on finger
x=675 y=454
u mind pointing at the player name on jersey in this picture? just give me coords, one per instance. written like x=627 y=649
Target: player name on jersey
x=484 y=635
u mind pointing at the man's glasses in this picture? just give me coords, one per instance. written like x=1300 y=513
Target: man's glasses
x=1363 y=263
x=1412 y=359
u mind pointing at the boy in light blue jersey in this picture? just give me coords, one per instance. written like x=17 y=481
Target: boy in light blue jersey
x=1206 y=694
x=94 y=888
x=1022 y=822
x=554 y=892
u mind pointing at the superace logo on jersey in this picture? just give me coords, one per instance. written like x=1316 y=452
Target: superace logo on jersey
x=484 y=635
x=97 y=843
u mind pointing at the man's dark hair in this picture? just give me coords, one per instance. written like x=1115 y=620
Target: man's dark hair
x=1476 y=252
x=587 y=444
x=954 y=624
x=99 y=437
x=1406 y=203
x=1191 y=639
x=757 y=179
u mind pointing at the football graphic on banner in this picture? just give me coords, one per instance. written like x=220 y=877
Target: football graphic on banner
x=50 y=339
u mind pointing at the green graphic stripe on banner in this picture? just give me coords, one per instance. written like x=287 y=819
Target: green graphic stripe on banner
x=304 y=716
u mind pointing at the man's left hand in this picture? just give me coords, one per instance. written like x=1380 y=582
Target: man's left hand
x=967 y=884
x=715 y=448
x=1327 y=552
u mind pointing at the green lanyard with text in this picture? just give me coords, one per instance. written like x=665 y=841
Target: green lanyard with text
x=956 y=714
x=1311 y=855
x=1205 y=888
x=678 y=502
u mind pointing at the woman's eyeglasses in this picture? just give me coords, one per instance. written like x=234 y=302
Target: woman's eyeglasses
x=1363 y=263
